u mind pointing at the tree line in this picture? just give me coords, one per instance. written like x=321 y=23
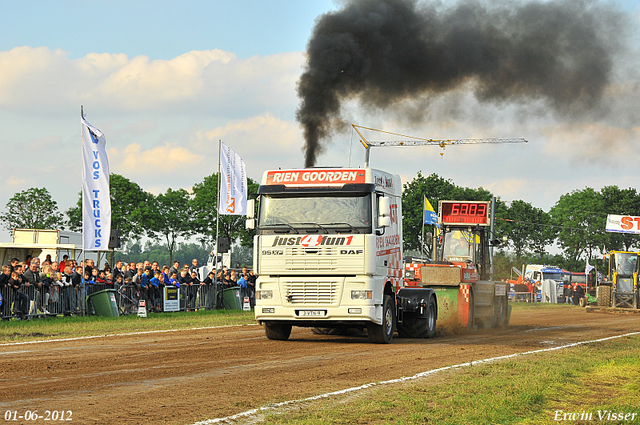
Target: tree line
x=576 y=222
x=166 y=217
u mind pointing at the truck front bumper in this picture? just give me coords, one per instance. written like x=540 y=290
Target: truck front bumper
x=320 y=316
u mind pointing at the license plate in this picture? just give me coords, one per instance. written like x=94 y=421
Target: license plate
x=312 y=313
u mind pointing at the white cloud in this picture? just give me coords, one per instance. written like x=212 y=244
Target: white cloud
x=263 y=141
x=197 y=81
x=15 y=182
x=135 y=161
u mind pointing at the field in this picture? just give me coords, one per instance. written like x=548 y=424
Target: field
x=185 y=368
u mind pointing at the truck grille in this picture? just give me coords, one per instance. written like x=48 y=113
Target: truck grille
x=310 y=292
x=301 y=259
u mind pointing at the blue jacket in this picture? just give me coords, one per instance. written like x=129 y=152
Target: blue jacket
x=144 y=280
x=242 y=282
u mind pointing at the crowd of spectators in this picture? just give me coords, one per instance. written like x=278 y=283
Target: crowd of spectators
x=52 y=283
x=529 y=289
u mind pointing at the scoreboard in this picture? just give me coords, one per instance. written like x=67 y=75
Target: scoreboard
x=465 y=212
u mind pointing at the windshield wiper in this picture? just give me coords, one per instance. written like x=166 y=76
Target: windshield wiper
x=290 y=227
x=313 y=224
x=345 y=224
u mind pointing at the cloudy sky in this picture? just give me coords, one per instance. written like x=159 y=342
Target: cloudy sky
x=165 y=80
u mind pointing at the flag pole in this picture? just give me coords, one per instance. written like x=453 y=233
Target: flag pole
x=218 y=203
x=84 y=255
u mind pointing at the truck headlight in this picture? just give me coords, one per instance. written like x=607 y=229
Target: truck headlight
x=264 y=294
x=361 y=295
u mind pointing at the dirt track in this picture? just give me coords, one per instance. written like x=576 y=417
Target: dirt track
x=182 y=377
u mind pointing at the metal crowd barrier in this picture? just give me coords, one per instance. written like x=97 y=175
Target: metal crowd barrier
x=529 y=297
x=70 y=300
x=42 y=301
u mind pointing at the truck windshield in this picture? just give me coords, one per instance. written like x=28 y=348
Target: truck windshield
x=626 y=263
x=343 y=212
x=553 y=276
x=459 y=245
x=579 y=278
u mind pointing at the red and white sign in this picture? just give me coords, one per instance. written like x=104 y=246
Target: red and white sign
x=318 y=177
x=623 y=223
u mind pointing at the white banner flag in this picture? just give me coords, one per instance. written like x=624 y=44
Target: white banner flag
x=588 y=267
x=233 y=187
x=96 y=202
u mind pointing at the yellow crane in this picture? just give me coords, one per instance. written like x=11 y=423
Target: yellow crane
x=420 y=141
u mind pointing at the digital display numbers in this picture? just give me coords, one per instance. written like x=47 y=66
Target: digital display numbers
x=464 y=212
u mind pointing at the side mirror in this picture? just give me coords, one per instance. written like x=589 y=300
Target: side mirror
x=384 y=209
x=251 y=208
x=250 y=224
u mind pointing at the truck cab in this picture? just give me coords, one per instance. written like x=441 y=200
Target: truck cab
x=624 y=268
x=551 y=279
x=328 y=251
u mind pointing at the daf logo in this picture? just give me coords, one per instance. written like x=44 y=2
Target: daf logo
x=351 y=251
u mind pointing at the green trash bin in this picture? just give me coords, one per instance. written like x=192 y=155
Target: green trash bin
x=104 y=303
x=232 y=298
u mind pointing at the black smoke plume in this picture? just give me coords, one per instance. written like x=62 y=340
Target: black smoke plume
x=382 y=52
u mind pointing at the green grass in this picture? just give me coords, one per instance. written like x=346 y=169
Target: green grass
x=538 y=306
x=69 y=327
x=526 y=390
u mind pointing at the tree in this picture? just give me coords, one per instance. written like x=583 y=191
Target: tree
x=172 y=218
x=581 y=218
x=205 y=204
x=527 y=228
x=130 y=208
x=184 y=253
x=32 y=209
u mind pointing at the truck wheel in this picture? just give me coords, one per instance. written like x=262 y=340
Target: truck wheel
x=603 y=294
x=382 y=334
x=432 y=317
x=583 y=302
x=419 y=327
x=277 y=331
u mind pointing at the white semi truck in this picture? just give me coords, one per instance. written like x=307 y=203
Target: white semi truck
x=328 y=253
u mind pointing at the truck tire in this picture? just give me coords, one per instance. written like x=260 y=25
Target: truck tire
x=383 y=334
x=583 y=302
x=277 y=331
x=603 y=293
x=420 y=327
x=432 y=317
